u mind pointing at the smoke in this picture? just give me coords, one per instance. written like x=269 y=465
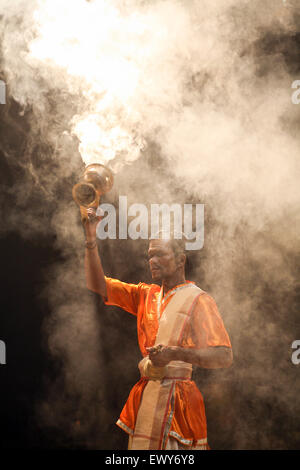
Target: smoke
x=197 y=94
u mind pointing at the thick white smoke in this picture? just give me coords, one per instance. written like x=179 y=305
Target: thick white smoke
x=188 y=76
x=180 y=74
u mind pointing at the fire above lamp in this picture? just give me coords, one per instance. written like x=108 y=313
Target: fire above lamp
x=96 y=180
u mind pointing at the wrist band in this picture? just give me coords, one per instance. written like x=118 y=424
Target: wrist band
x=91 y=245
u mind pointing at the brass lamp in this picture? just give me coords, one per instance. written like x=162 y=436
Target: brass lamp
x=96 y=180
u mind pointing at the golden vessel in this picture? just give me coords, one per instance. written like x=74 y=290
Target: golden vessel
x=96 y=180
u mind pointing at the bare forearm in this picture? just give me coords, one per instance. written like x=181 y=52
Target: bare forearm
x=95 y=279
x=208 y=358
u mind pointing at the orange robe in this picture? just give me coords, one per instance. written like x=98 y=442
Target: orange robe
x=205 y=328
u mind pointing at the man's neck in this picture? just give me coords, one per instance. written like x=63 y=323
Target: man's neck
x=169 y=284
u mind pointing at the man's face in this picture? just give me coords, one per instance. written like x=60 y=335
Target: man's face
x=162 y=261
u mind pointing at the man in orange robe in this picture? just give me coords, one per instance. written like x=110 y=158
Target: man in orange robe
x=203 y=341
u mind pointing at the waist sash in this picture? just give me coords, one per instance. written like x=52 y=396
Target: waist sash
x=154 y=416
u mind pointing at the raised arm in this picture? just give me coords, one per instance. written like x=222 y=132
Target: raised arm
x=95 y=279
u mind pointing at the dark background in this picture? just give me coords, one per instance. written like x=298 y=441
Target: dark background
x=238 y=415
x=244 y=409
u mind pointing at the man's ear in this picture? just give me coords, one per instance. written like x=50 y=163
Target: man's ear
x=181 y=259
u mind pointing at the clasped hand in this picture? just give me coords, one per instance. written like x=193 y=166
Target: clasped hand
x=160 y=355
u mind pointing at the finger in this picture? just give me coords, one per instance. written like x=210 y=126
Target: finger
x=100 y=212
x=153 y=352
x=158 y=346
x=92 y=217
x=151 y=349
x=91 y=210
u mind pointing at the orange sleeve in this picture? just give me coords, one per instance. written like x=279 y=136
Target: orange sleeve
x=206 y=326
x=122 y=294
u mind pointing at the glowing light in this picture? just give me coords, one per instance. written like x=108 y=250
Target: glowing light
x=94 y=43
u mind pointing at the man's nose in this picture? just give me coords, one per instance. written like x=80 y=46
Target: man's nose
x=153 y=261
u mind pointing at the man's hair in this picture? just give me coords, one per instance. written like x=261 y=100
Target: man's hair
x=178 y=247
x=177 y=244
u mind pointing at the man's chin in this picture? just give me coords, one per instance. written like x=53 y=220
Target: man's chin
x=156 y=276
